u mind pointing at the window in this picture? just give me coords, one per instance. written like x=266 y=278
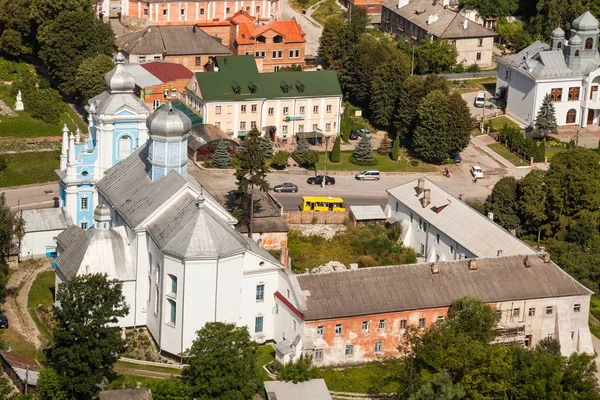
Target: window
x=402 y=324
x=248 y=9
x=155 y=104
x=420 y=223
x=556 y=94
x=166 y=94
x=218 y=124
x=276 y=68
x=301 y=128
x=382 y=324
x=280 y=53
x=258 y=324
x=549 y=310
x=499 y=314
x=252 y=124
x=589 y=43
x=573 y=93
x=260 y=292
x=227 y=10
x=328 y=108
x=338 y=329
x=274 y=54
x=124 y=147
x=84 y=203
x=411 y=214
x=318 y=354
x=243 y=125
x=506 y=75
x=576 y=53
x=156 y=300
x=302 y=109
x=173 y=311
x=424 y=226
x=320 y=330
x=531 y=312
x=84 y=225
x=421 y=322
x=315 y=109
x=271 y=111
x=577 y=308
x=328 y=127
x=478 y=57
x=197 y=61
x=397 y=206
x=145 y=11
x=157 y=271
x=294 y=325
x=165 y=11
x=571 y=116
x=257 y=9
x=593 y=90
x=422 y=249
x=365 y=326
x=377 y=347
x=451 y=249
x=437 y=238
x=572 y=335
x=294 y=53
x=253 y=108
x=259 y=54
x=315 y=127
x=437 y=257
x=243 y=108
x=349 y=350
x=286 y=110
x=480 y=42
x=440 y=318
x=202 y=11
x=149 y=289
x=217 y=109
x=182 y=11
x=173 y=283
x=284 y=129
x=516 y=312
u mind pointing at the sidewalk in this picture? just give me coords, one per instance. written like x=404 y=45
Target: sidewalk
x=482 y=142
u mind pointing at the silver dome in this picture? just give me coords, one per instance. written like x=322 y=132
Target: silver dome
x=119 y=80
x=575 y=41
x=558 y=33
x=586 y=22
x=168 y=122
x=102 y=213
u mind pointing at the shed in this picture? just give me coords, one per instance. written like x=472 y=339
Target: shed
x=367 y=215
x=21 y=369
x=315 y=389
x=126 y=394
x=41 y=227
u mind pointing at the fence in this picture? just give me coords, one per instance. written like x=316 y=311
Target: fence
x=315 y=217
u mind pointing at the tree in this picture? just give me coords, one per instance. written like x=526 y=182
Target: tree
x=6 y=389
x=49 y=386
x=439 y=387
x=386 y=85
x=11 y=43
x=531 y=196
x=69 y=39
x=221 y=158
x=300 y=370
x=222 y=362
x=301 y=146
x=169 y=389
x=89 y=80
x=502 y=202
x=309 y=160
x=335 y=154
x=473 y=318
x=280 y=160
x=545 y=121
x=44 y=104
x=15 y=18
x=491 y=8
x=8 y=229
x=46 y=10
x=363 y=152
x=460 y=122
x=412 y=92
x=435 y=56
x=514 y=34
x=396 y=149
x=267 y=146
x=384 y=146
x=85 y=348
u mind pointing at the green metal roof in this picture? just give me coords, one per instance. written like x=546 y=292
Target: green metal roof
x=178 y=105
x=238 y=79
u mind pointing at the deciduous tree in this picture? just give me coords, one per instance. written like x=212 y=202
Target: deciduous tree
x=300 y=370
x=89 y=80
x=49 y=386
x=435 y=56
x=386 y=85
x=502 y=202
x=491 y=8
x=280 y=159
x=531 y=196
x=412 y=92
x=221 y=157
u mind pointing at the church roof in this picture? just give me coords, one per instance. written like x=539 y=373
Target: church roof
x=110 y=104
x=586 y=22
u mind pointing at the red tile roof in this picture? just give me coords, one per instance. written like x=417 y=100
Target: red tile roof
x=249 y=30
x=289 y=305
x=167 y=71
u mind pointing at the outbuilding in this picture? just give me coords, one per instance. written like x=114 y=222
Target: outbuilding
x=367 y=215
x=315 y=389
x=22 y=370
x=41 y=227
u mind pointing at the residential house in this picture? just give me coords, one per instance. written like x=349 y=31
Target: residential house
x=41 y=228
x=269 y=228
x=372 y=7
x=236 y=98
x=567 y=70
x=183 y=44
x=274 y=44
x=423 y=20
x=157 y=82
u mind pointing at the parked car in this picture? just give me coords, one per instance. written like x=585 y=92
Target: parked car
x=476 y=172
x=479 y=100
x=359 y=133
x=456 y=157
x=286 y=187
x=318 y=180
x=3 y=321
x=369 y=174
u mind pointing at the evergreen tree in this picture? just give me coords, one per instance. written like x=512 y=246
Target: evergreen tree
x=301 y=146
x=335 y=154
x=221 y=158
x=386 y=84
x=396 y=149
x=363 y=152
x=384 y=147
x=267 y=146
x=545 y=121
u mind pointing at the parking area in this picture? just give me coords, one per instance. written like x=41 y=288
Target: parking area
x=477 y=112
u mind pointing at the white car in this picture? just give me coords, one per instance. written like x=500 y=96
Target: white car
x=476 y=172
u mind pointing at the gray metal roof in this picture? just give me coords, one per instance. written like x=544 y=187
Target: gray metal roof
x=172 y=40
x=367 y=213
x=413 y=287
x=46 y=219
x=586 y=22
x=459 y=221
x=70 y=235
x=106 y=103
x=142 y=77
x=315 y=389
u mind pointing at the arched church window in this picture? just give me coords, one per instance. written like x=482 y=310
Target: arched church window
x=576 y=53
x=159 y=152
x=149 y=288
x=571 y=115
x=157 y=274
x=559 y=45
x=149 y=263
x=124 y=147
x=589 y=43
x=173 y=153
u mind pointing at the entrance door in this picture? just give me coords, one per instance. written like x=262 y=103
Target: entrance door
x=590 y=117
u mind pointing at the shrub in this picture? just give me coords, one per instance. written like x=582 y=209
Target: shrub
x=45 y=105
x=280 y=159
x=414 y=163
x=473 y=68
x=396 y=149
x=309 y=160
x=334 y=156
x=300 y=370
x=366 y=262
x=513 y=138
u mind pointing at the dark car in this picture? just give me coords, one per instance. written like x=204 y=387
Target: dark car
x=357 y=134
x=456 y=157
x=318 y=180
x=3 y=321
x=286 y=187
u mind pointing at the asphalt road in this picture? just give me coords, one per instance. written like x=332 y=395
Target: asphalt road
x=291 y=201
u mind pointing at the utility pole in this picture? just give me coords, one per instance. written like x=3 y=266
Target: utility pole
x=483 y=113
x=326 y=155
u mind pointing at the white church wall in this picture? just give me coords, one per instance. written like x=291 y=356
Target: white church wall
x=148 y=274
x=563 y=106
x=521 y=97
x=173 y=295
x=288 y=323
x=38 y=244
x=229 y=289
x=129 y=294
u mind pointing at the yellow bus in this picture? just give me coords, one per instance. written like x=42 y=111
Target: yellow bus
x=322 y=203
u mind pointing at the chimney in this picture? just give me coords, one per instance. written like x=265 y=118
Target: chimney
x=465 y=23
x=490 y=215
x=527 y=262
x=499 y=254
x=420 y=185
x=306 y=271
x=435 y=268
x=461 y=196
x=283 y=257
x=472 y=264
x=545 y=257
x=402 y=3
x=426 y=198
x=353 y=267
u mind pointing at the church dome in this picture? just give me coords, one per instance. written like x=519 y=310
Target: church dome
x=119 y=80
x=102 y=213
x=586 y=22
x=575 y=41
x=168 y=122
x=558 y=33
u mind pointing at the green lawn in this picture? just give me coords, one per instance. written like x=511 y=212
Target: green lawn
x=41 y=293
x=498 y=122
x=551 y=151
x=300 y=5
x=265 y=354
x=384 y=164
x=595 y=306
x=327 y=9
x=369 y=378
x=28 y=168
x=510 y=156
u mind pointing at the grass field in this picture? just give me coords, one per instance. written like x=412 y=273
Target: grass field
x=327 y=9
x=498 y=122
x=510 y=156
x=369 y=378
x=384 y=164
x=551 y=151
x=29 y=168
x=265 y=354
x=296 y=5
x=41 y=293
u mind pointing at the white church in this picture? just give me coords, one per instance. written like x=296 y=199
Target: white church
x=152 y=227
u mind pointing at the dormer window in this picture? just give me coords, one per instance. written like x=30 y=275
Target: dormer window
x=252 y=87
x=285 y=87
x=278 y=39
x=559 y=45
x=300 y=87
x=237 y=89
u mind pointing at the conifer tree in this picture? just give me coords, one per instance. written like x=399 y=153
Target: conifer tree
x=221 y=158
x=384 y=147
x=545 y=121
x=334 y=156
x=363 y=153
x=301 y=146
x=267 y=146
x=396 y=149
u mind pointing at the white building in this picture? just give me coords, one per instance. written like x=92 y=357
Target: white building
x=567 y=70
x=41 y=229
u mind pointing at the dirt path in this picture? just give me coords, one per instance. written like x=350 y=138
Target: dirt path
x=143 y=373
x=15 y=306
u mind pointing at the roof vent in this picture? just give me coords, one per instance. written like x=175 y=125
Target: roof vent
x=545 y=256
x=472 y=264
x=465 y=23
x=426 y=198
x=490 y=215
x=527 y=262
x=435 y=268
x=200 y=201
